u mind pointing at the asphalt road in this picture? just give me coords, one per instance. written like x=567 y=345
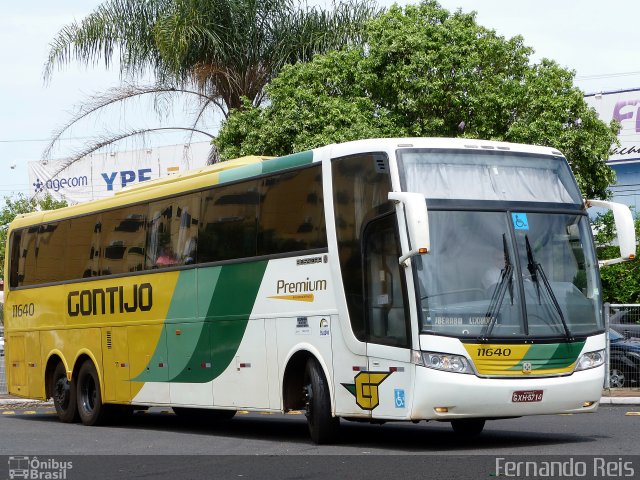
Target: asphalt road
x=158 y=444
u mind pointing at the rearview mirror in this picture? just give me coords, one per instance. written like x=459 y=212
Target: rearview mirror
x=415 y=214
x=624 y=228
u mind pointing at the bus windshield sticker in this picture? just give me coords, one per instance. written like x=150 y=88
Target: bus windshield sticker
x=520 y=221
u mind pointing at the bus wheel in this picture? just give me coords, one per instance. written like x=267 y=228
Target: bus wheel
x=323 y=428
x=90 y=407
x=64 y=395
x=468 y=427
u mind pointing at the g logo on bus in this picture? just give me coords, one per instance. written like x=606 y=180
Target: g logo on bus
x=526 y=367
x=365 y=388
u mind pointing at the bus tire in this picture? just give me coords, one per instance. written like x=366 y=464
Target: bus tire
x=90 y=407
x=64 y=395
x=323 y=427
x=468 y=427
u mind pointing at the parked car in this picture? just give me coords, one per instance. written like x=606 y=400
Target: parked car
x=624 y=362
x=626 y=321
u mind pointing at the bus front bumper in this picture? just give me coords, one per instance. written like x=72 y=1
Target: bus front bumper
x=446 y=396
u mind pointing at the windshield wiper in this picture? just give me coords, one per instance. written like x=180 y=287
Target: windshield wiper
x=535 y=269
x=506 y=279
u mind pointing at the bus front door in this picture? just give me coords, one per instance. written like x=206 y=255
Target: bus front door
x=388 y=327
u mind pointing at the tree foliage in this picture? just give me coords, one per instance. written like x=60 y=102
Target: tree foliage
x=19 y=205
x=426 y=72
x=214 y=52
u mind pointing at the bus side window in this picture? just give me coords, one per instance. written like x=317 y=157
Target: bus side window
x=51 y=248
x=282 y=228
x=81 y=258
x=15 y=258
x=172 y=235
x=120 y=237
x=229 y=216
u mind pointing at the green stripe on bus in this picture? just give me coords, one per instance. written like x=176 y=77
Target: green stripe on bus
x=289 y=161
x=551 y=356
x=205 y=348
x=240 y=173
x=267 y=166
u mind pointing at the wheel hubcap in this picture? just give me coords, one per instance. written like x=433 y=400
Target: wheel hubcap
x=308 y=400
x=62 y=392
x=616 y=378
x=89 y=393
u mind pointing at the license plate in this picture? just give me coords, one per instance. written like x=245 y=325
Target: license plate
x=525 y=396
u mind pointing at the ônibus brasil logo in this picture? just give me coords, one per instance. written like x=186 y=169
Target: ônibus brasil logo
x=37 y=468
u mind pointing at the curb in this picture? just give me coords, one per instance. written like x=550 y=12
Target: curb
x=620 y=401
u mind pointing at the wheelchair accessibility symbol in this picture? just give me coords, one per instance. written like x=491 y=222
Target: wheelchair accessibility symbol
x=520 y=221
x=398 y=395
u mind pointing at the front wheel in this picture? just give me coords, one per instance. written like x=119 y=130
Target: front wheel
x=468 y=427
x=64 y=395
x=90 y=407
x=323 y=427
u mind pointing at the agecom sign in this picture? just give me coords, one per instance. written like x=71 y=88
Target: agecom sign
x=623 y=106
x=102 y=175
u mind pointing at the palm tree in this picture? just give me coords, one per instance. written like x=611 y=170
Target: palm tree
x=216 y=51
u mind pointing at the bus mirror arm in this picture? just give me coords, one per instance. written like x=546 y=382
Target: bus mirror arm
x=625 y=230
x=417 y=221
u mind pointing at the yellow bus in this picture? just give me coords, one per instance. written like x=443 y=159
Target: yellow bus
x=378 y=280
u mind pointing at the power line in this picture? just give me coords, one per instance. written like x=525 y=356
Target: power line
x=606 y=75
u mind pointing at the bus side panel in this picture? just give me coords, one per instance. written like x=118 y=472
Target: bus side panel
x=149 y=364
x=348 y=385
x=117 y=387
x=244 y=381
x=16 y=365
x=35 y=370
x=190 y=363
x=72 y=343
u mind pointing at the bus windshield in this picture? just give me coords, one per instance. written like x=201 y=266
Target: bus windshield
x=488 y=277
x=507 y=260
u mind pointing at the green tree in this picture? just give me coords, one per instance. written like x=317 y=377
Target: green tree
x=426 y=72
x=214 y=51
x=19 y=205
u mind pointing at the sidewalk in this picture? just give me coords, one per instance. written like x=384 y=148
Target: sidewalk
x=620 y=396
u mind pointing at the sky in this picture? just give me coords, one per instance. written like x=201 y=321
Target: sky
x=596 y=39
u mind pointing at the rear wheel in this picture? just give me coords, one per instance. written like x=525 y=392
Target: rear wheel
x=323 y=428
x=90 y=407
x=468 y=427
x=64 y=395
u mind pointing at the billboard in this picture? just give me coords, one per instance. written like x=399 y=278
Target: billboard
x=100 y=175
x=623 y=106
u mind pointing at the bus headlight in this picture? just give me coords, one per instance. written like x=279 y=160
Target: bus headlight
x=590 y=360
x=446 y=362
